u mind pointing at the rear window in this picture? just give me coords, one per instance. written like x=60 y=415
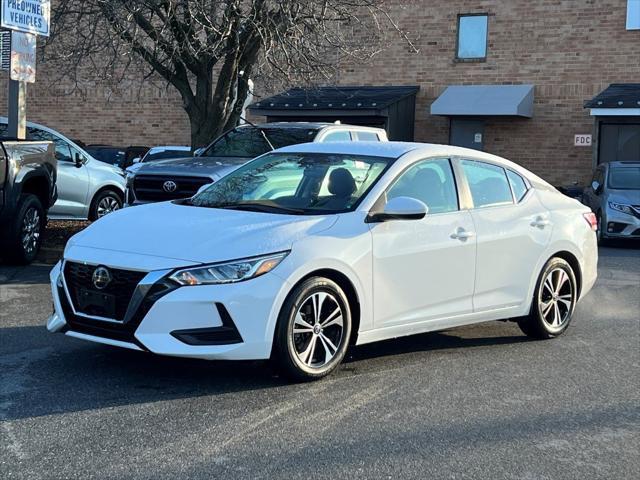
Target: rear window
x=488 y=183
x=518 y=185
x=624 y=178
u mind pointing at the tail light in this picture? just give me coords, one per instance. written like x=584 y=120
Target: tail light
x=591 y=220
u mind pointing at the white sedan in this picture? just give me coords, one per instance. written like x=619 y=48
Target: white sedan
x=310 y=248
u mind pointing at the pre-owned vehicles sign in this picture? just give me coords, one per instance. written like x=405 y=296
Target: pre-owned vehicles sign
x=30 y=16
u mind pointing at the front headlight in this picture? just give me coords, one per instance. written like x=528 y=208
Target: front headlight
x=228 y=272
x=621 y=207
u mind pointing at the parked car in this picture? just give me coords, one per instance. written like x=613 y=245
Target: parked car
x=27 y=191
x=87 y=187
x=614 y=196
x=309 y=248
x=181 y=178
x=155 y=154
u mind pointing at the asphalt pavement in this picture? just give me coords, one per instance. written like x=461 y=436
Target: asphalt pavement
x=475 y=402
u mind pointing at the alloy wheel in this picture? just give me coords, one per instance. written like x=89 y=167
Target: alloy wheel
x=556 y=299
x=107 y=205
x=30 y=231
x=318 y=329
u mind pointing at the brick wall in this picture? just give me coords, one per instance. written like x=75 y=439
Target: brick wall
x=569 y=49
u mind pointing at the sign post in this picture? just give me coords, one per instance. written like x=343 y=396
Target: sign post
x=26 y=19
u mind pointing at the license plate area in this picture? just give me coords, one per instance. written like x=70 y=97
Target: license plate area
x=97 y=304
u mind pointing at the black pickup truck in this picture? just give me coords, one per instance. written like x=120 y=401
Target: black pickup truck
x=27 y=191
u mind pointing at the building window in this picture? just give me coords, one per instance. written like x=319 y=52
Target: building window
x=472 y=37
x=633 y=14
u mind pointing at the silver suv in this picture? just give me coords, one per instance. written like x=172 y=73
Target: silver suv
x=183 y=177
x=87 y=187
x=614 y=196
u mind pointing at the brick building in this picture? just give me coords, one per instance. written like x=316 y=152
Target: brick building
x=562 y=53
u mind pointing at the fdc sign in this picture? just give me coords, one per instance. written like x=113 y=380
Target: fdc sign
x=29 y=16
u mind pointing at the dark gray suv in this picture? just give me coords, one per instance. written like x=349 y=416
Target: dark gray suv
x=614 y=196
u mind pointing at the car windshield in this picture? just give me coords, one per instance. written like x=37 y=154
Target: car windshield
x=165 y=155
x=624 y=178
x=296 y=184
x=249 y=142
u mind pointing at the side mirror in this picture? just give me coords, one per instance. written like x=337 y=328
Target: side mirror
x=596 y=187
x=198 y=151
x=78 y=160
x=400 y=208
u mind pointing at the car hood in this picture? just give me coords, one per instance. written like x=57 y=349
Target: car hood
x=197 y=234
x=213 y=167
x=626 y=197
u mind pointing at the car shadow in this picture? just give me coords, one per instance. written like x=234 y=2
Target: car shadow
x=45 y=374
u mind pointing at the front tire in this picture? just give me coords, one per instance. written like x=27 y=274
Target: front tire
x=313 y=330
x=25 y=234
x=553 y=303
x=104 y=203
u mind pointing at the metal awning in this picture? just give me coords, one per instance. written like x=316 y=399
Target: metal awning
x=485 y=100
x=618 y=99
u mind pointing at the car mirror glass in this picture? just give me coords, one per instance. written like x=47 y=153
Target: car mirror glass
x=596 y=186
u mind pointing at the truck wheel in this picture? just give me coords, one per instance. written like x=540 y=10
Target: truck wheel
x=25 y=234
x=104 y=203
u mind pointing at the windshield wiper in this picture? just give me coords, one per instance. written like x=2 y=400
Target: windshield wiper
x=260 y=207
x=262 y=132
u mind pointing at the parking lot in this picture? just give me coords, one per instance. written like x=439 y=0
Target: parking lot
x=480 y=401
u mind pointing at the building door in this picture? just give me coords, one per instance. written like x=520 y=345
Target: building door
x=467 y=133
x=619 y=142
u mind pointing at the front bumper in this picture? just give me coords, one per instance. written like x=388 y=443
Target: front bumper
x=621 y=225
x=226 y=322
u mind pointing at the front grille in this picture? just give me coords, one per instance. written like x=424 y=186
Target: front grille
x=79 y=276
x=149 y=188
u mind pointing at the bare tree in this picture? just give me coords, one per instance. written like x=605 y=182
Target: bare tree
x=209 y=49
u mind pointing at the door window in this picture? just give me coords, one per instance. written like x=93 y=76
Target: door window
x=518 y=185
x=431 y=182
x=63 y=152
x=339 y=136
x=488 y=183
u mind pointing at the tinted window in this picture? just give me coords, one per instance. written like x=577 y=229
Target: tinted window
x=63 y=152
x=431 y=182
x=340 y=136
x=488 y=183
x=624 y=178
x=518 y=185
x=472 y=36
x=113 y=156
x=367 y=136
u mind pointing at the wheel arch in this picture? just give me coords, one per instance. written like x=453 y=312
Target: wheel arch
x=109 y=187
x=37 y=185
x=350 y=291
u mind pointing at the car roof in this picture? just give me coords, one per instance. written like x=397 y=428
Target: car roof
x=303 y=125
x=164 y=148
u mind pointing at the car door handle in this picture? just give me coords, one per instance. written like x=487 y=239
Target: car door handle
x=462 y=234
x=540 y=222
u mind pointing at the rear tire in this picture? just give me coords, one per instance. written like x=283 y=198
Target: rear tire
x=313 y=330
x=25 y=233
x=553 y=302
x=105 y=202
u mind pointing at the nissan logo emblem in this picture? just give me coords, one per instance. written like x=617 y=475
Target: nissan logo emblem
x=101 y=278
x=169 y=186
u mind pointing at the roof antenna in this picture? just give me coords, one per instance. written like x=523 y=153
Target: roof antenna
x=337 y=122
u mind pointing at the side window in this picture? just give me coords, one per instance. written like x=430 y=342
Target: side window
x=364 y=136
x=63 y=153
x=518 y=185
x=339 y=136
x=488 y=183
x=431 y=182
